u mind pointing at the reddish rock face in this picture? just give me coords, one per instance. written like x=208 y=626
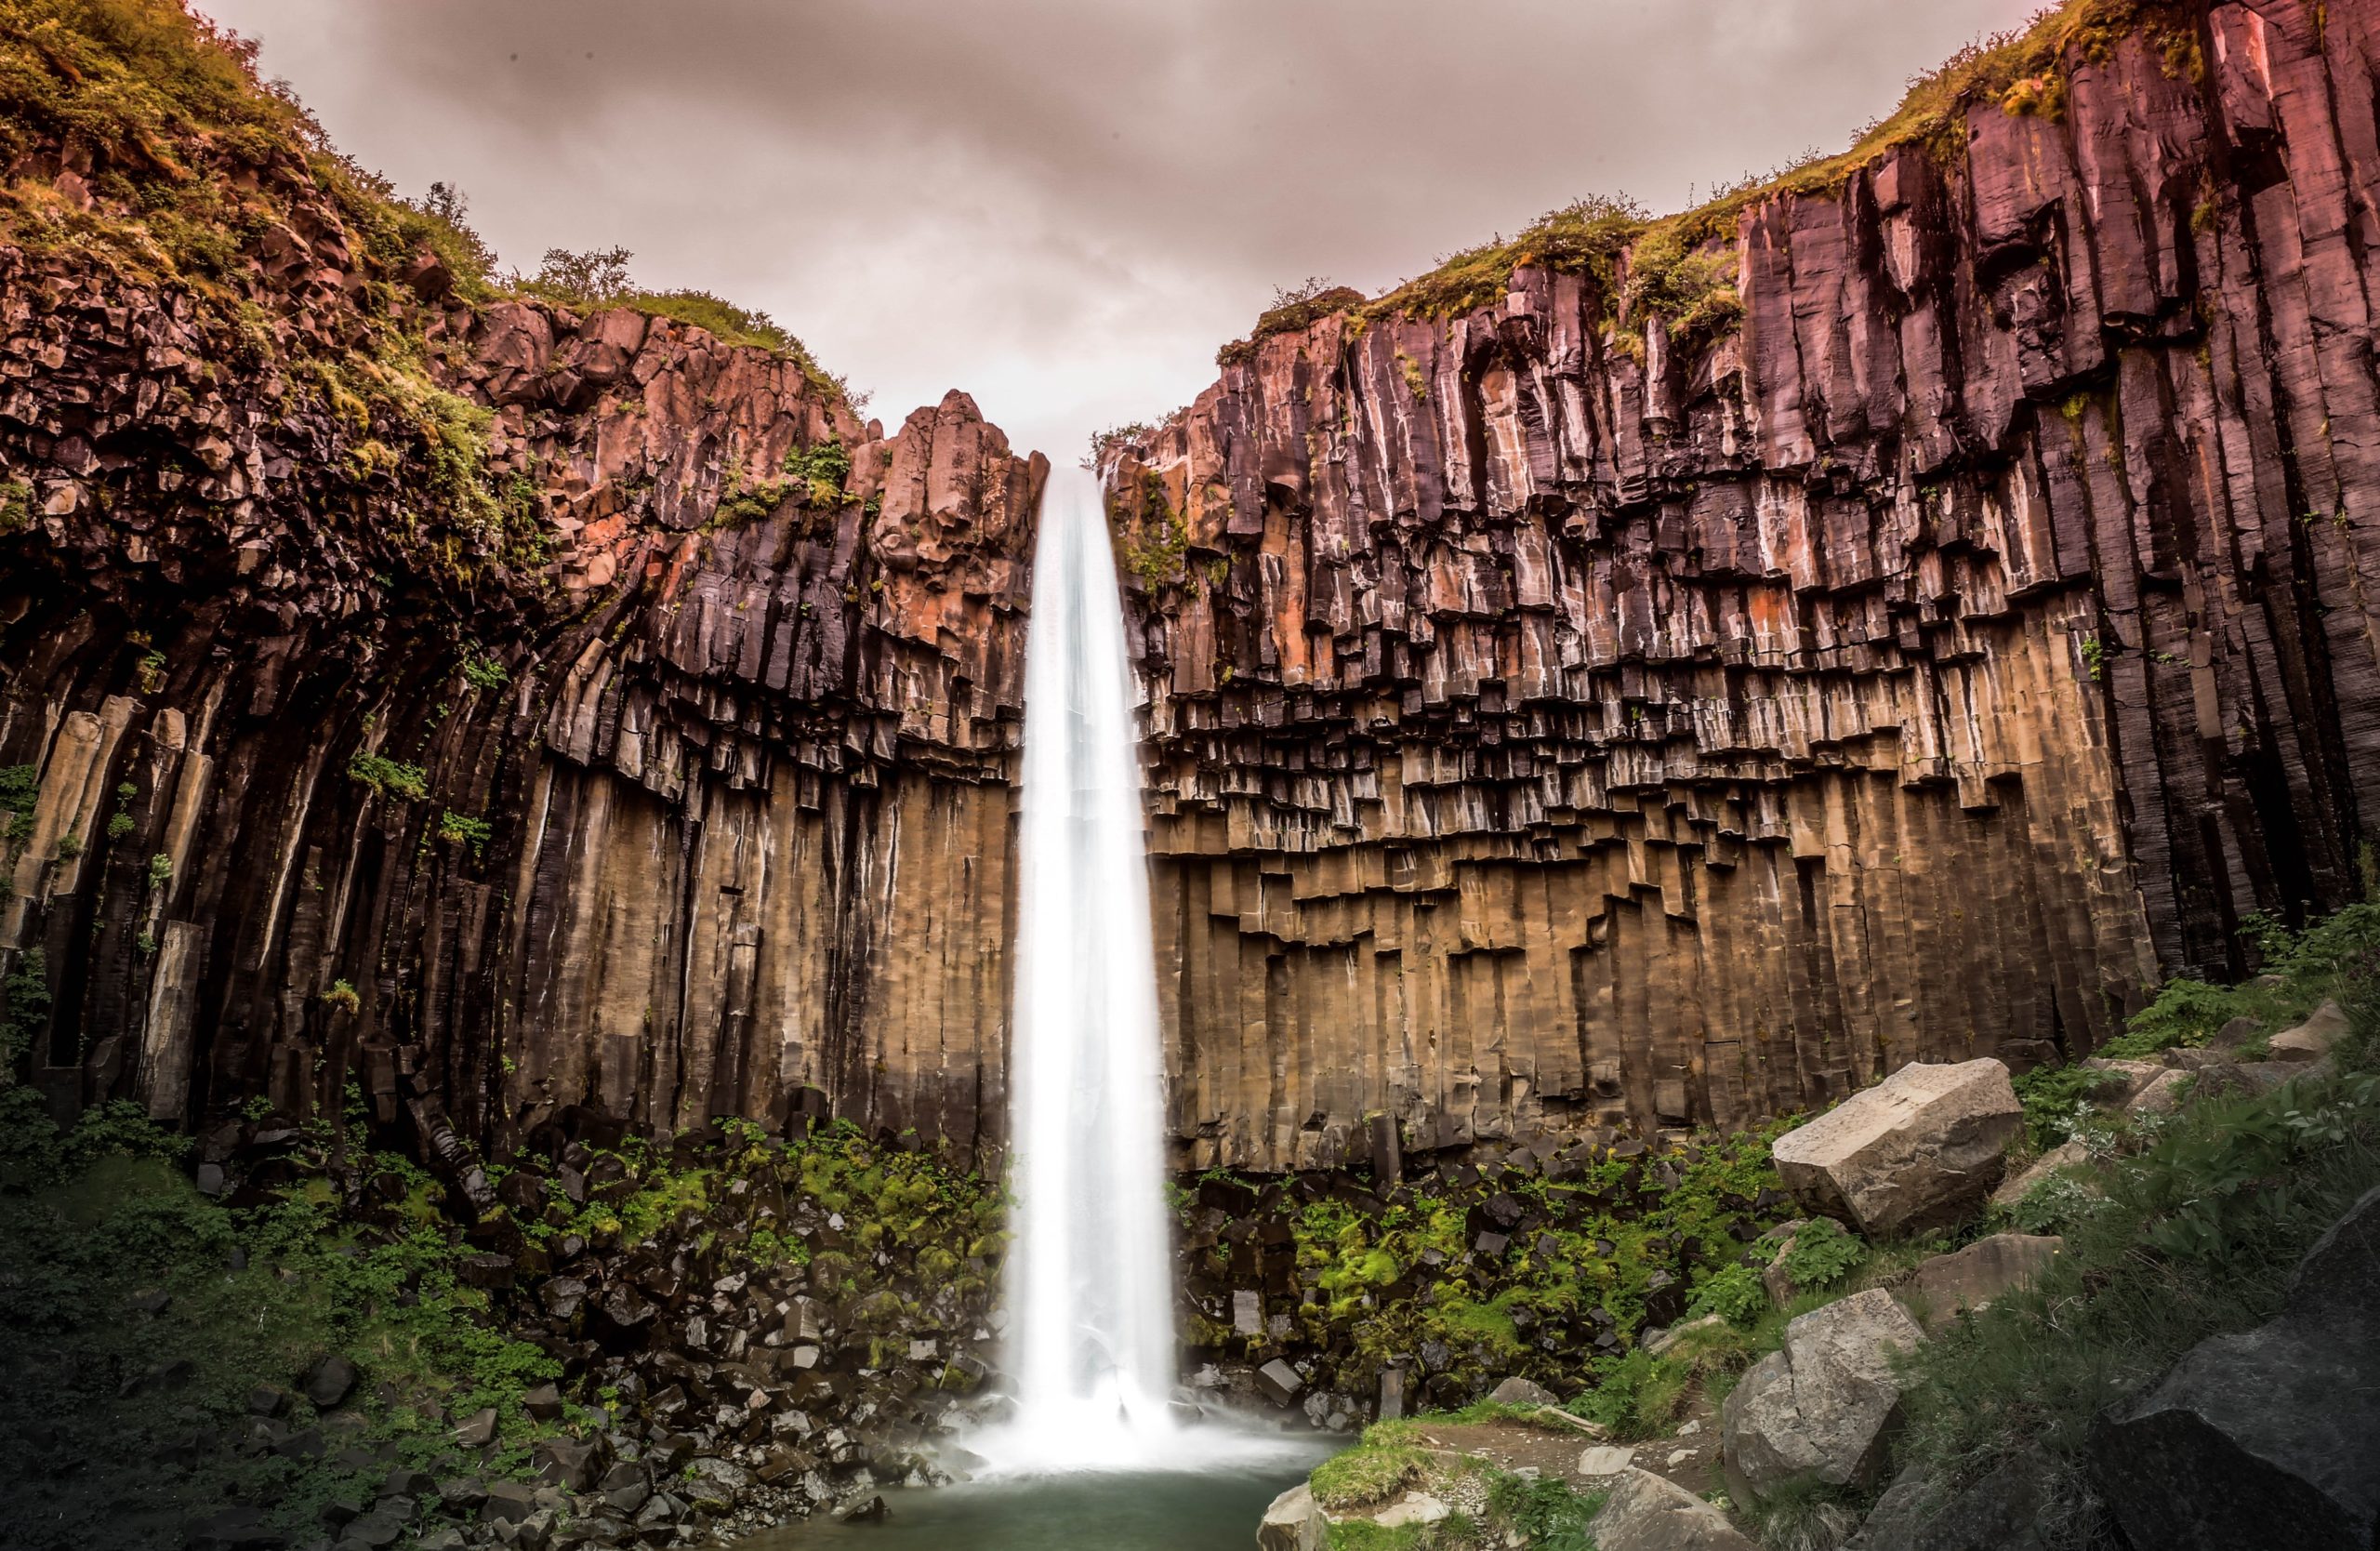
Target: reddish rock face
x=1549 y=733
x=614 y=760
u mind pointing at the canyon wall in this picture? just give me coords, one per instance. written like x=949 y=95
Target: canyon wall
x=1555 y=722
x=502 y=707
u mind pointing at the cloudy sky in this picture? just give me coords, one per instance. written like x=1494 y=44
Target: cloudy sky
x=1065 y=205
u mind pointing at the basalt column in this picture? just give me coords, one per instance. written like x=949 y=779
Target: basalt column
x=1562 y=720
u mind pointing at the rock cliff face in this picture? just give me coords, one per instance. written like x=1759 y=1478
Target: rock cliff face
x=1558 y=720
x=504 y=708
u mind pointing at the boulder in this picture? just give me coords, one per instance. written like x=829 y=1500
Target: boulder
x=2270 y=1436
x=1646 y=1513
x=1280 y=1382
x=1919 y=1149
x=1659 y=1342
x=477 y=1430
x=1823 y=1408
x=1517 y=1391
x=329 y=1380
x=1414 y=1507
x=2069 y=1155
x=2004 y=1511
x=1970 y=1277
x=1294 y=1522
x=2163 y=1093
x=2312 y=1040
x=2121 y=1080
x=1605 y=1460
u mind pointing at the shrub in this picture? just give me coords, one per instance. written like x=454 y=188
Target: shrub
x=390 y=778
x=1823 y=1256
x=1734 y=1293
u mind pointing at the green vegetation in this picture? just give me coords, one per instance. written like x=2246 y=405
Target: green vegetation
x=1396 y=1280
x=1823 y=1254
x=1152 y=543
x=19 y=791
x=16 y=507
x=484 y=671
x=462 y=829
x=1293 y=308
x=24 y=1012
x=1392 y=1457
x=161 y=871
x=390 y=778
x=2184 y=1225
x=342 y=996
x=599 y=277
x=814 y=475
x=143 y=1317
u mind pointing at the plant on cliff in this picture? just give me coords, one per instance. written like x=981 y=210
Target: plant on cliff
x=388 y=778
x=24 y=1011
x=1293 y=308
x=1152 y=544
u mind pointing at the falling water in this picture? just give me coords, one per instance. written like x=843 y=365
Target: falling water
x=1090 y=1281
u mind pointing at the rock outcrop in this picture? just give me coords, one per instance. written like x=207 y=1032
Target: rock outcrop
x=1646 y=1513
x=504 y=706
x=1558 y=720
x=2268 y=1437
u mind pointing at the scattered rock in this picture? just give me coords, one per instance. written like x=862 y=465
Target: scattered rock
x=1294 y=1522
x=2267 y=1437
x=2067 y=1155
x=1646 y=1513
x=1518 y=1391
x=329 y=1381
x=1605 y=1460
x=1970 y=1277
x=1824 y=1406
x=1414 y=1507
x=477 y=1430
x=1280 y=1382
x=2312 y=1040
x=1919 y=1148
x=2163 y=1093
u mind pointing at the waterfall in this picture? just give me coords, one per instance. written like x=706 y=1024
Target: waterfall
x=1089 y=1279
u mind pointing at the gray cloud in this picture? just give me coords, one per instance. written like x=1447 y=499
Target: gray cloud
x=1065 y=205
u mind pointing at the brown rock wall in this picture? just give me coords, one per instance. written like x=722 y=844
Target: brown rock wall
x=1558 y=722
x=627 y=767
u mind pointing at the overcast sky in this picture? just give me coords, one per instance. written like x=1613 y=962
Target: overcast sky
x=1065 y=205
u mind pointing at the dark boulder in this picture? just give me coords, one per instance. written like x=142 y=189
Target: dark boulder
x=2267 y=1437
x=329 y=1380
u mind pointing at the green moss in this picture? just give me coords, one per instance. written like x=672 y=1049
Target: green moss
x=16 y=507
x=1152 y=544
x=390 y=778
x=1387 y=1459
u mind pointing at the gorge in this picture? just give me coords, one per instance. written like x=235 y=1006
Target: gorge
x=1638 y=683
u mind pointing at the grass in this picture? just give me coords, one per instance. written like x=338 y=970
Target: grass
x=1542 y=1513
x=2193 y=1235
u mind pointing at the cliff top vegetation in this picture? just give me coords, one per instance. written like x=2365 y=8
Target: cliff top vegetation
x=1681 y=266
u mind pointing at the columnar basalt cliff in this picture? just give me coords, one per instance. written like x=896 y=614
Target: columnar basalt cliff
x=1955 y=612
x=505 y=707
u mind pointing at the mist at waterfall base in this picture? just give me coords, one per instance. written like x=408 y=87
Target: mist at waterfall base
x=1089 y=1279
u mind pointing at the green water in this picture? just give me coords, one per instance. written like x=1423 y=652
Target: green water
x=1095 y=1511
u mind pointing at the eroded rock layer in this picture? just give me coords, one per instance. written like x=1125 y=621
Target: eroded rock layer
x=1557 y=724
x=502 y=708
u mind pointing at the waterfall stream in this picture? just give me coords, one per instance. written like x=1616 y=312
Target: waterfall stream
x=1090 y=1280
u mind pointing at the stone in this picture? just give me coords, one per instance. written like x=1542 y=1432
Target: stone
x=2312 y=1040
x=268 y=1399
x=2268 y=1437
x=1293 y=1522
x=1278 y=1381
x=328 y=1381
x=1646 y=1513
x=543 y=1402
x=1247 y=1314
x=1517 y=1391
x=567 y=1462
x=1823 y=1408
x=1605 y=1460
x=508 y=1501
x=1391 y=1394
x=1660 y=1343
x=1919 y=1149
x=1414 y=1507
x=2066 y=1155
x=477 y=1430
x=2162 y=1093
x=1970 y=1277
